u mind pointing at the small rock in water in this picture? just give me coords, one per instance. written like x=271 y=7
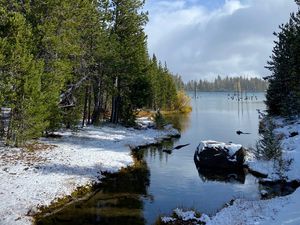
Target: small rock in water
x=241 y=132
x=294 y=133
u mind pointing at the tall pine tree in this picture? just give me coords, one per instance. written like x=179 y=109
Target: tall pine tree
x=132 y=57
x=20 y=78
x=283 y=95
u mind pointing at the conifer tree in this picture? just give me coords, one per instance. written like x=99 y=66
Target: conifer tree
x=131 y=60
x=105 y=56
x=268 y=147
x=20 y=79
x=283 y=96
x=55 y=26
x=154 y=82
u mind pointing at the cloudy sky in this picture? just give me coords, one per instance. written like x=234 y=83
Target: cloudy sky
x=204 y=38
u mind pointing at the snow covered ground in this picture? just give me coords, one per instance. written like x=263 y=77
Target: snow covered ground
x=291 y=151
x=37 y=178
x=277 y=211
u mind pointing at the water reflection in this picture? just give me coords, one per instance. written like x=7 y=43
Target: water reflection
x=206 y=175
x=160 y=151
x=180 y=121
x=118 y=201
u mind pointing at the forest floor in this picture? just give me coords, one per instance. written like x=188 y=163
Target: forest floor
x=275 y=211
x=53 y=168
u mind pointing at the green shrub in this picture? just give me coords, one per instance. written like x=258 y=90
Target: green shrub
x=268 y=147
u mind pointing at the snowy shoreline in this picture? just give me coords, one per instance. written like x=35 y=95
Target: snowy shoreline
x=275 y=211
x=38 y=178
x=290 y=150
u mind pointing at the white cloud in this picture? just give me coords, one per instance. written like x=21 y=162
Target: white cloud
x=234 y=39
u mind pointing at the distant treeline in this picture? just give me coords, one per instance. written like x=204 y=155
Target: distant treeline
x=228 y=84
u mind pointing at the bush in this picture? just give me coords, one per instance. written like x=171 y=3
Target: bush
x=268 y=147
x=281 y=166
x=183 y=102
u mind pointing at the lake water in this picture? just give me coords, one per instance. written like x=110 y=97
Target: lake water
x=164 y=181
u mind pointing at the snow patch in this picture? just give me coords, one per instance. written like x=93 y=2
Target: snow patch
x=290 y=147
x=186 y=215
x=232 y=148
x=278 y=211
x=33 y=179
x=166 y=219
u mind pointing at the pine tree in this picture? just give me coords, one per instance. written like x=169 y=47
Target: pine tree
x=88 y=65
x=21 y=76
x=131 y=60
x=268 y=147
x=153 y=76
x=56 y=34
x=284 y=90
x=106 y=57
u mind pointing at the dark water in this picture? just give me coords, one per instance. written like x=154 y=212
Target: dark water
x=164 y=181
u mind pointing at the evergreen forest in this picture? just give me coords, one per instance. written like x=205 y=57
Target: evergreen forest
x=64 y=61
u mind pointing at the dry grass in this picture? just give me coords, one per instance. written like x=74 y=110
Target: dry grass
x=37 y=146
x=145 y=113
x=27 y=155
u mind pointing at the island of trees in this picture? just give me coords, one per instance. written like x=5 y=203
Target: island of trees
x=64 y=61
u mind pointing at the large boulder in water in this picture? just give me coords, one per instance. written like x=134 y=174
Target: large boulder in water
x=219 y=155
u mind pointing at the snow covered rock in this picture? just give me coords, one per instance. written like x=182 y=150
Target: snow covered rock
x=213 y=154
x=181 y=216
x=144 y=123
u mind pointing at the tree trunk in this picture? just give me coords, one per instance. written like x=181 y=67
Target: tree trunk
x=115 y=109
x=73 y=87
x=85 y=105
x=115 y=104
x=89 y=105
x=97 y=102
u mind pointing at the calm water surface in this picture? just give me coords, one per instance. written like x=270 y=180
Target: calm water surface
x=165 y=181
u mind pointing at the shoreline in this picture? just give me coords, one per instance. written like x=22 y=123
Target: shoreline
x=66 y=168
x=276 y=211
